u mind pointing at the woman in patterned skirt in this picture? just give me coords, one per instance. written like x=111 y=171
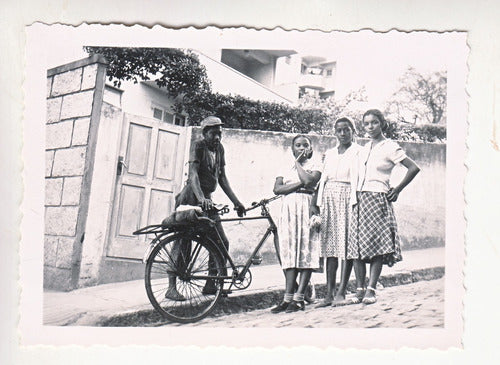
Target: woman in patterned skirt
x=333 y=204
x=373 y=236
x=299 y=253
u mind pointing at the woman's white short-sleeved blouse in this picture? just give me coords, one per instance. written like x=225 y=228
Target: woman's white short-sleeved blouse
x=375 y=164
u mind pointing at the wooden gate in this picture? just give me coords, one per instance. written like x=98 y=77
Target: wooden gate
x=150 y=165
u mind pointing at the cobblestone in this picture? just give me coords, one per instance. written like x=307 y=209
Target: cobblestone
x=417 y=305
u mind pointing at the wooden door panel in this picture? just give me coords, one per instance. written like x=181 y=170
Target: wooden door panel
x=165 y=159
x=139 y=140
x=160 y=204
x=130 y=210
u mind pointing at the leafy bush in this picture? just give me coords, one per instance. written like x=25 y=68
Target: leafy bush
x=240 y=112
x=416 y=133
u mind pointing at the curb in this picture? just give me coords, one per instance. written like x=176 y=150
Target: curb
x=256 y=300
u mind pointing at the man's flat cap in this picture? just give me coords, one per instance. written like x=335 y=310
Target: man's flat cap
x=210 y=121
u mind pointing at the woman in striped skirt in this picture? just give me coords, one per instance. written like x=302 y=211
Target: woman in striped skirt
x=333 y=205
x=373 y=236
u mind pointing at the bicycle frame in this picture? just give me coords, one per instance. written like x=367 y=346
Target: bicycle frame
x=265 y=214
x=160 y=232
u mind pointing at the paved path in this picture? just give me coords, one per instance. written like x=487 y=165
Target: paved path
x=418 y=305
x=89 y=305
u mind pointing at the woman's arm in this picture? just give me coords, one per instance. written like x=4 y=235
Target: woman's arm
x=308 y=179
x=280 y=188
x=412 y=171
x=314 y=203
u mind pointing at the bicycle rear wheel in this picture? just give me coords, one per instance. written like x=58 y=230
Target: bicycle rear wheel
x=194 y=268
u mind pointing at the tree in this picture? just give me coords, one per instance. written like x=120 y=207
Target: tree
x=178 y=71
x=351 y=106
x=423 y=95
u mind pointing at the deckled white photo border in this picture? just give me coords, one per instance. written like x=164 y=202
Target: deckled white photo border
x=39 y=38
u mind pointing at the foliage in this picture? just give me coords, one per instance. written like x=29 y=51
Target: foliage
x=181 y=74
x=424 y=95
x=352 y=107
x=178 y=71
x=416 y=133
x=240 y=112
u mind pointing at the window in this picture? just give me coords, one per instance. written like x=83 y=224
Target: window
x=168 y=117
x=329 y=72
x=161 y=112
x=157 y=113
x=179 y=120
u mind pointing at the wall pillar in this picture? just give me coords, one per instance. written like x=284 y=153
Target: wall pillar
x=74 y=100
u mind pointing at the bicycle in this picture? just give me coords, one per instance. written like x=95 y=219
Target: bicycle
x=201 y=259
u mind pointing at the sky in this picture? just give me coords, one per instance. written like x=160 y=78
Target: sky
x=364 y=59
x=376 y=60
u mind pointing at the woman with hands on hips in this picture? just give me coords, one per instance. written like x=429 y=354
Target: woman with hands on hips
x=373 y=235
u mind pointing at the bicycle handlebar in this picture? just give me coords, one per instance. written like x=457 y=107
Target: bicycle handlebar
x=262 y=202
x=223 y=209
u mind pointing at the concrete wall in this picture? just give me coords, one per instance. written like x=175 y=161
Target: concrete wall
x=74 y=95
x=226 y=80
x=138 y=99
x=254 y=157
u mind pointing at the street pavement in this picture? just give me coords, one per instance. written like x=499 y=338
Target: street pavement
x=417 y=305
x=94 y=305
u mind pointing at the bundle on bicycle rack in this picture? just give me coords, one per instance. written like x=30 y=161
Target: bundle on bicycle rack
x=186 y=214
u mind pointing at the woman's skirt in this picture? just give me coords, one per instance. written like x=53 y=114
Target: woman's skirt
x=299 y=245
x=373 y=230
x=335 y=219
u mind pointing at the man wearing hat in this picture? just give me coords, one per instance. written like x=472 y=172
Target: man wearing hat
x=206 y=170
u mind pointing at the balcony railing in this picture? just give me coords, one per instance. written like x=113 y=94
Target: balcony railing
x=311 y=81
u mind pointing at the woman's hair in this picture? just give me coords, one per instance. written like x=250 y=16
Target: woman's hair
x=302 y=136
x=378 y=114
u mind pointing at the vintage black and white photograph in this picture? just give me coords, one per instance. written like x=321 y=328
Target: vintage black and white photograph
x=235 y=179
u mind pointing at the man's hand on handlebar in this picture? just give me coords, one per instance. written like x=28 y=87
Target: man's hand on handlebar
x=240 y=209
x=207 y=204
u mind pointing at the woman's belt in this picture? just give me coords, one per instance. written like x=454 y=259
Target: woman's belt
x=304 y=191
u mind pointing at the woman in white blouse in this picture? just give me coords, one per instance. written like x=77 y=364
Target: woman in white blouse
x=373 y=236
x=299 y=253
x=333 y=205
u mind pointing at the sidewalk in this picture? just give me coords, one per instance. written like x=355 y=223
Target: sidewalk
x=90 y=306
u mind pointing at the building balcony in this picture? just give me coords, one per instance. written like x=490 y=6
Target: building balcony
x=311 y=81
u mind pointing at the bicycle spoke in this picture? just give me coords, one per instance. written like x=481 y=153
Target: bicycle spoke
x=179 y=259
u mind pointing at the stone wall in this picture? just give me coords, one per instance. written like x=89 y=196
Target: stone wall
x=74 y=98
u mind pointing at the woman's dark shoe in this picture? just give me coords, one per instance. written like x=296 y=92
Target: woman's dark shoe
x=280 y=307
x=295 y=306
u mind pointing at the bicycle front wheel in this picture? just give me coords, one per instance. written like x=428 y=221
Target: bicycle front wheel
x=184 y=278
